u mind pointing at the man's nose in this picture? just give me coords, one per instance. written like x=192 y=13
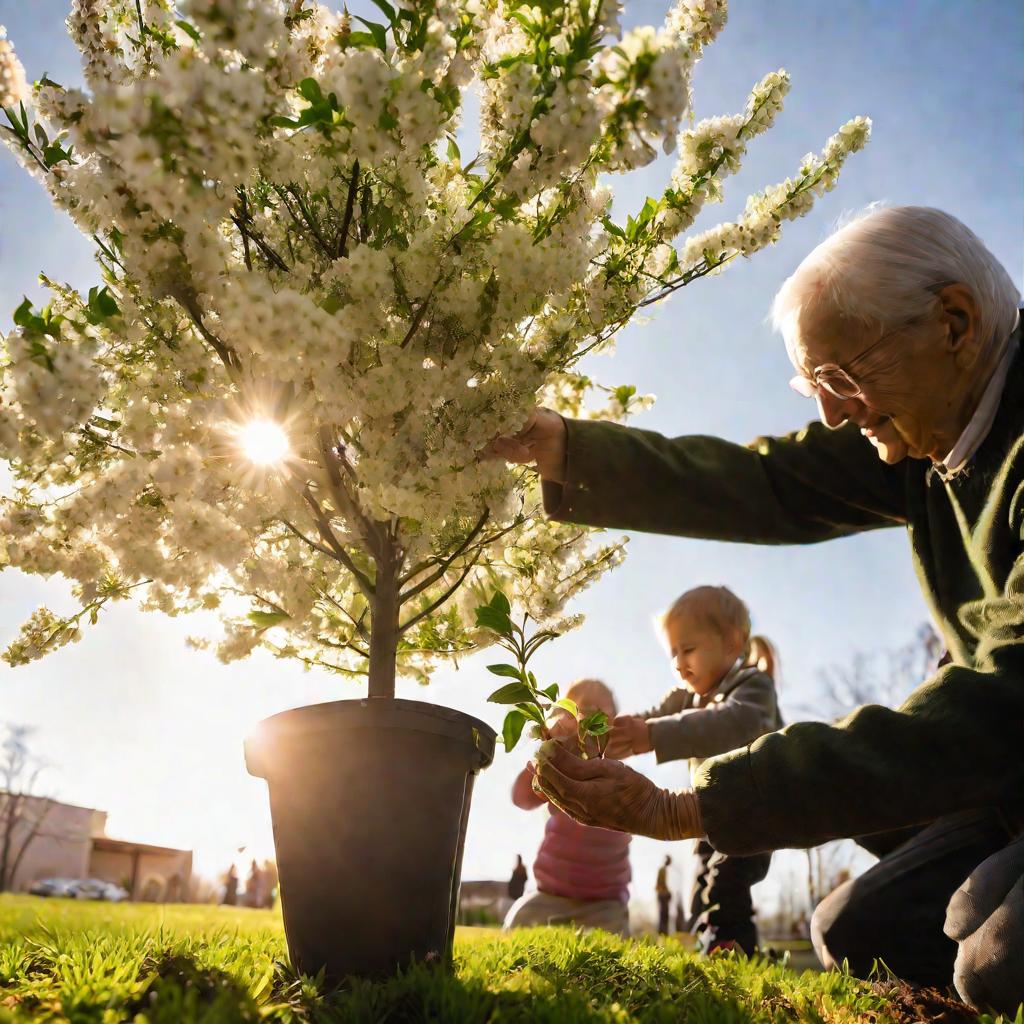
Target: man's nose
x=834 y=411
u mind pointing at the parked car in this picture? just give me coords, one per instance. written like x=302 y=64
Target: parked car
x=52 y=887
x=79 y=889
x=97 y=889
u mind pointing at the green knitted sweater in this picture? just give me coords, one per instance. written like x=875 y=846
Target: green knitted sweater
x=958 y=741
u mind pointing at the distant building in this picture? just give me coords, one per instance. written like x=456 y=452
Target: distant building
x=71 y=842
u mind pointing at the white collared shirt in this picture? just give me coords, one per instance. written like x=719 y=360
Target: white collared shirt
x=981 y=422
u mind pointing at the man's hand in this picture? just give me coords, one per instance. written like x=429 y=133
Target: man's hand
x=630 y=735
x=608 y=794
x=542 y=440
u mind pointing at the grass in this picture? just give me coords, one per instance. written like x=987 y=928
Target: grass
x=63 y=961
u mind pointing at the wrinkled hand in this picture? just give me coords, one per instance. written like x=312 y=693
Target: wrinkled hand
x=630 y=735
x=542 y=440
x=608 y=794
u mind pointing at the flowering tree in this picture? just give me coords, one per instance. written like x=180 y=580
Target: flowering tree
x=315 y=311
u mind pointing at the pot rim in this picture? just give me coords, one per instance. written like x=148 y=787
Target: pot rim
x=368 y=712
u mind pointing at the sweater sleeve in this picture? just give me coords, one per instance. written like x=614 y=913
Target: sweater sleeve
x=678 y=698
x=956 y=744
x=746 y=713
x=523 y=794
x=806 y=487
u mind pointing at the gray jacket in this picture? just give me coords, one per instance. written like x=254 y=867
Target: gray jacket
x=740 y=708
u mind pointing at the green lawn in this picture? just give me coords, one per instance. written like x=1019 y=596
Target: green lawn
x=104 y=964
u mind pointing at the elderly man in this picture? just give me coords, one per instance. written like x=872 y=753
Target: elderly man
x=904 y=328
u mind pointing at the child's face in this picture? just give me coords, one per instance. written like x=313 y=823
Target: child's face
x=700 y=655
x=590 y=699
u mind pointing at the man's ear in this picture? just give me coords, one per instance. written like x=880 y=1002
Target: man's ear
x=960 y=315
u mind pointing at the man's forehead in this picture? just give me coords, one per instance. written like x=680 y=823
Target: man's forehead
x=821 y=335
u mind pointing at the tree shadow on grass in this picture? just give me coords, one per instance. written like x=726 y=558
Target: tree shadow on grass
x=593 y=986
x=175 y=989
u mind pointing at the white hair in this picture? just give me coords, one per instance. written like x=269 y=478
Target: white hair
x=884 y=267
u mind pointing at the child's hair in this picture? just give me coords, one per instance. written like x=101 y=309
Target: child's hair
x=582 y=688
x=721 y=610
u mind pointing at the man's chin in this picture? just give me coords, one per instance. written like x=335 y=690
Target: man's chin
x=891 y=451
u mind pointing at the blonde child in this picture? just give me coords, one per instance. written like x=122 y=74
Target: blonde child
x=727 y=699
x=582 y=873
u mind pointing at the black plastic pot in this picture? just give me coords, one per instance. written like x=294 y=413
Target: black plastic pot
x=369 y=800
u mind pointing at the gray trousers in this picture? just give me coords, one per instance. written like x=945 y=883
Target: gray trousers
x=945 y=906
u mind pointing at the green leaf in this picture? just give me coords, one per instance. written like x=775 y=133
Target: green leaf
x=385 y=8
x=511 y=693
x=501 y=602
x=453 y=150
x=23 y=314
x=379 y=33
x=489 y=618
x=511 y=671
x=595 y=724
x=512 y=728
x=551 y=692
x=532 y=712
x=568 y=704
x=360 y=40
x=101 y=306
x=309 y=90
x=55 y=154
x=189 y=30
x=266 y=620
x=624 y=393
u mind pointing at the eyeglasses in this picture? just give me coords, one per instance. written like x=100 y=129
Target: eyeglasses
x=831 y=377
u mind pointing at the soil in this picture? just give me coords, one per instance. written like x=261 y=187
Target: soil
x=908 y=1003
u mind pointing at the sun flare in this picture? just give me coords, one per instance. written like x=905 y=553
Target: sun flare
x=264 y=442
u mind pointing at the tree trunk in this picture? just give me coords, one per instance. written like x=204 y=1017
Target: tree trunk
x=7 y=828
x=384 y=625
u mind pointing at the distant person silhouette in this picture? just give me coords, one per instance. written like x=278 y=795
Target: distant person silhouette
x=664 y=894
x=254 y=886
x=517 y=883
x=231 y=887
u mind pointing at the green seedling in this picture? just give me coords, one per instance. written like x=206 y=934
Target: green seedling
x=530 y=701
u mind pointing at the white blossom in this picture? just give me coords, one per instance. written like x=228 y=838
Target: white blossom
x=287 y=232
x=13 y=87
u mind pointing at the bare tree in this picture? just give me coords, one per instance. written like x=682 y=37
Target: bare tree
x=884 y=677
x=878 y=677
x=22 y=811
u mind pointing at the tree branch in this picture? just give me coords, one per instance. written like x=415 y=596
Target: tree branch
x=441 y=600
x=357 y=623
x=312 y=543
x=350 y=205
x=227 y=355
x=445 y=564
x=345 y=502
x=324 y=527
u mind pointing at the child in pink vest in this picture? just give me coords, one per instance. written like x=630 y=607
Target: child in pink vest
x=582 y=873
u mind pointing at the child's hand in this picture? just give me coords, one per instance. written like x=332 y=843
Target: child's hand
x=630 y=735
x=562 y=727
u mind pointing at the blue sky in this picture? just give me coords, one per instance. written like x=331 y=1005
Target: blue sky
x=135 y=724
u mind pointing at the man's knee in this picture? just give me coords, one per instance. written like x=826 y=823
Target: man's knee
x=836 y=927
